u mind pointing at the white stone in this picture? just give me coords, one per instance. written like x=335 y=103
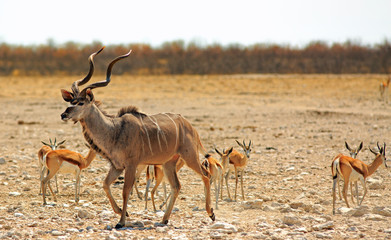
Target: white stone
x=384 y=211
x=327 y=225
x=375 y=217
x=57 y=233
x=14 y=194
x=253 y=204
x=18 y=214
x=291 y=220
x=229 y=228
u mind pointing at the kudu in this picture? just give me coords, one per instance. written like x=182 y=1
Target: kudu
x=132 y=138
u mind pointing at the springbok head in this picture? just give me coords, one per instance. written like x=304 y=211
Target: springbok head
x=82 y=100
x=382 y=153
x=54 y=145
x=353 y=152
x=225 y=153
x=246 y=149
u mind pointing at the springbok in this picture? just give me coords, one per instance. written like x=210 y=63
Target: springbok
x=155 y=172
x=353 y=152
x=41 y=153
x=215 y=172
x=132 y=138
x=384 y=89
x=351 y=169
x=239 y=161
x=224 y=155
x=65 y=161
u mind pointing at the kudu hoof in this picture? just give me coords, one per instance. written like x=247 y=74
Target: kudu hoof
x=119 y=225
x=213 y=217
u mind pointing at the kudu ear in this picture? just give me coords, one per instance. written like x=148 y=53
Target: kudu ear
x=89 y=95
x=67 y=96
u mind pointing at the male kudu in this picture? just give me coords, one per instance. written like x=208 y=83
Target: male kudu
x=131 y=138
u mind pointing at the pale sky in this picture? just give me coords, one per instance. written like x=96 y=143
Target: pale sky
x=245 y=22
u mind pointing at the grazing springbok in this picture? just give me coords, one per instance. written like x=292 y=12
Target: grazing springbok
x=41 y=153
x=384 y=89
x=353 y=152
x=224 y=155
x=351 y=169
x=132 y=138
x=65 y=161
x=215 y=172
x=239 y=161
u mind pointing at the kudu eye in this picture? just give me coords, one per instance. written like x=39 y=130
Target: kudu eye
x=80 y=103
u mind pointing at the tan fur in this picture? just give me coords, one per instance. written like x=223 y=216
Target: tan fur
x=238 y=162
x=224 y=155
x=351 y=169
x=384 y=89
x=130 y=140
x=65 y=161
x=215 y=170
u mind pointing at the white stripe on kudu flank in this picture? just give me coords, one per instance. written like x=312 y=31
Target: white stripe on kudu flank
x=176 y=129
x=159 y=132
x=146 y=131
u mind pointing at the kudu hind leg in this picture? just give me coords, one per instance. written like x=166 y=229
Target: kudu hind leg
x=110 y=178
x=171 y=174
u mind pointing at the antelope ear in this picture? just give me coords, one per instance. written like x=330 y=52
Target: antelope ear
x=239 y=143
x=67 y=96
x=347 y=146
x=89 y=95
x=360 y=147
x=230 y=150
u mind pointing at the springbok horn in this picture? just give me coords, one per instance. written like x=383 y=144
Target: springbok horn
x=108 y=74
x=76 y=84
x=378 y=147
x=372 y=151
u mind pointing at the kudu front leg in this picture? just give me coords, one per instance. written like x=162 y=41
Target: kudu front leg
x=128 y=184
x=110 y=178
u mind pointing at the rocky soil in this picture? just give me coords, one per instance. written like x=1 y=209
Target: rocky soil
x=297 y=123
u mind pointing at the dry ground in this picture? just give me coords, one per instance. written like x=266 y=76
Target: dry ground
x=297 y=123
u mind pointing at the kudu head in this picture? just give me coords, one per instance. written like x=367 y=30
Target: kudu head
x=353 y=152
x=81 y=101
x=54 y=145
x=381 y=154
x=246 y=149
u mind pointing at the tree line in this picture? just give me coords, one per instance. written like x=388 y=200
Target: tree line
x=179 y=58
